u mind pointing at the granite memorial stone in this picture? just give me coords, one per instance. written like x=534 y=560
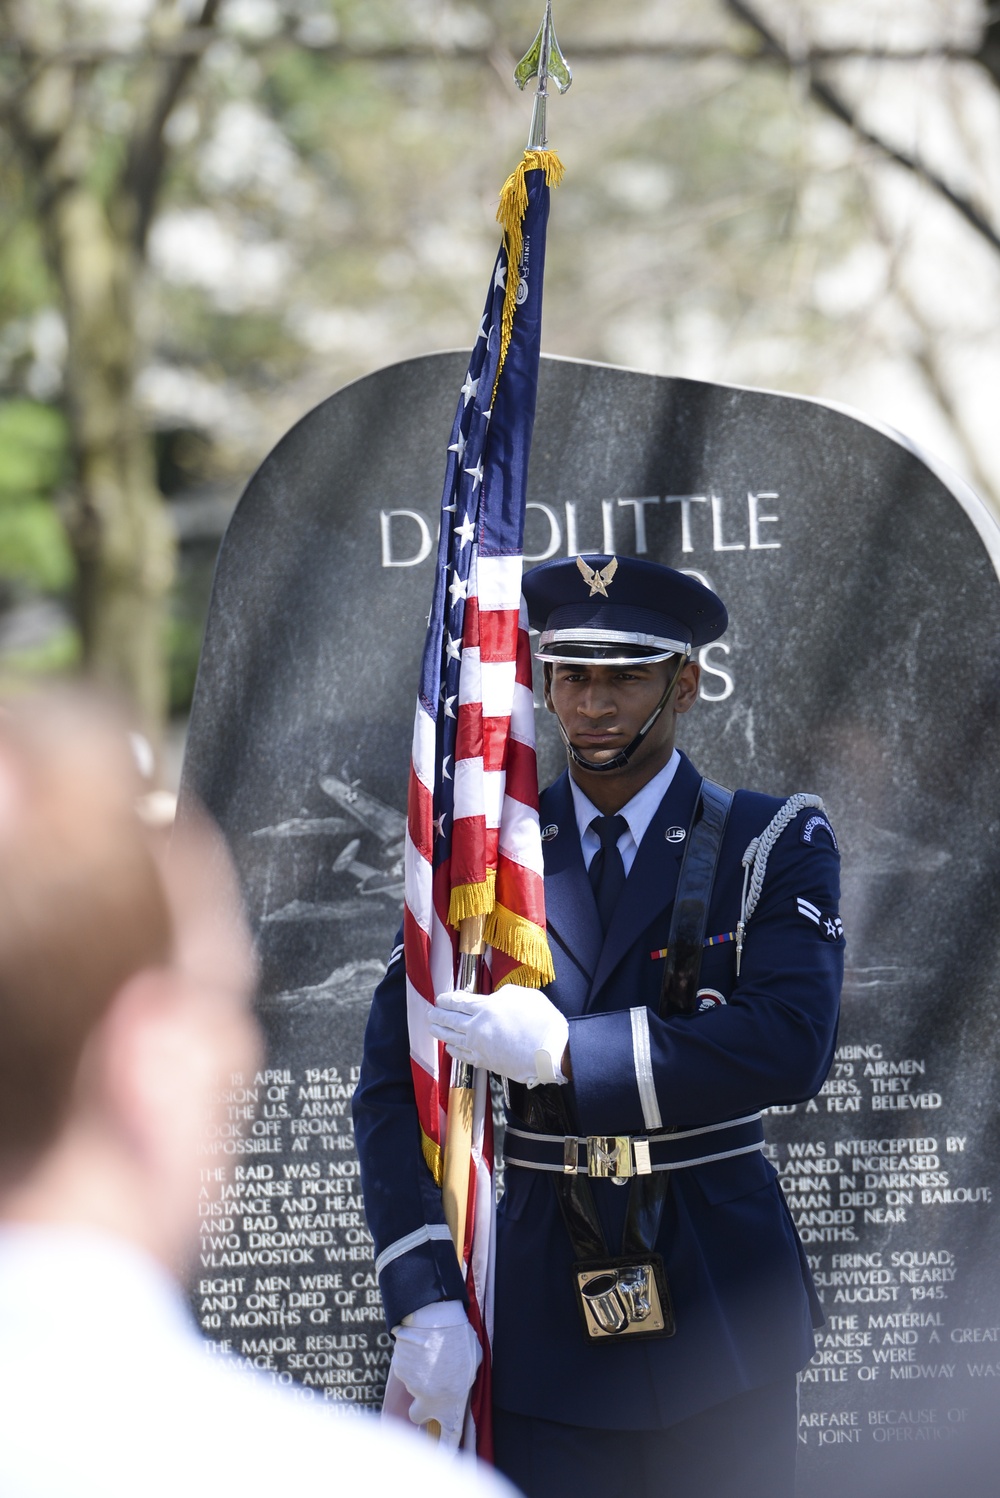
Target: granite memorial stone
x=861 y=663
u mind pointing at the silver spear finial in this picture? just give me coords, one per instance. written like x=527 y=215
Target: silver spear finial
x=543 y=60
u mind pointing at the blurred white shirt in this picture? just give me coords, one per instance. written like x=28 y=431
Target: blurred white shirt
x=107 y=1391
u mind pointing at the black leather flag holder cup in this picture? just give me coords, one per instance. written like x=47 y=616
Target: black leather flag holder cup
x=627 y=1295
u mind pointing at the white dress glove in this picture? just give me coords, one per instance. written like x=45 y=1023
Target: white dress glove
x=515 y=1032
x=436 y=1357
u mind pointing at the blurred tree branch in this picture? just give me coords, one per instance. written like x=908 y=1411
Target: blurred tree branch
x=194 y=42
x=928 y=358
x=146 y=158
x=183 y=51
x=835 y=103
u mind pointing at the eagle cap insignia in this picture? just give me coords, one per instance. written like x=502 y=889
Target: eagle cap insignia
x=599 y=581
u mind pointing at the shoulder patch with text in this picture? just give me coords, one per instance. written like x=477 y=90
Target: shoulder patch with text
x=817 y=826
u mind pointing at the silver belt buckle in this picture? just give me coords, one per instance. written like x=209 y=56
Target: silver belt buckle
x=609 y=1157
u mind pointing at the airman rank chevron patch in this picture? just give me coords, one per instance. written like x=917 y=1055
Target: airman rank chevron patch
x=831 y=927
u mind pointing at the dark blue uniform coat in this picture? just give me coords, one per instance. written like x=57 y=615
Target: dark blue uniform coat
x=740 y=1284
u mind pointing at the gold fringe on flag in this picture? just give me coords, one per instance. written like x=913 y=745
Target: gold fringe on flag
x=472 y=899
x=433 y=1157
x=508 y=932
x=510 y=215
x=527 y=977
x=525 y=942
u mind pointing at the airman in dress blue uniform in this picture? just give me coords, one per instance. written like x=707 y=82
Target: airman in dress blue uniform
x=653 y=1301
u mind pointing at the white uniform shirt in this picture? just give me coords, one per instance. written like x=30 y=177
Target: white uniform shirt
x=638 y=813
x=107 y=1390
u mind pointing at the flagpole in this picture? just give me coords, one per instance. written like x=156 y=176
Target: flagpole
x=458 y=1140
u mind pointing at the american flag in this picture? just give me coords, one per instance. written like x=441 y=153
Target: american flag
x=473 y=841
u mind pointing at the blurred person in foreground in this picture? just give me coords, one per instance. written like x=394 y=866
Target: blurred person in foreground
x=125 y=986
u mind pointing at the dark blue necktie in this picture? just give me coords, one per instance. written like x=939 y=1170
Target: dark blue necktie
x=607 y=872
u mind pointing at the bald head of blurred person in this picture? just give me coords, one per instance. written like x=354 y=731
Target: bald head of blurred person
x=125 y=984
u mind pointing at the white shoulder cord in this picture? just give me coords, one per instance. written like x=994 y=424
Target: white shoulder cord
x=757 y=854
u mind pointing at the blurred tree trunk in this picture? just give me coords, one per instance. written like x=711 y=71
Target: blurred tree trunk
x=95 y=242
x=115 y=518
x=118 y=528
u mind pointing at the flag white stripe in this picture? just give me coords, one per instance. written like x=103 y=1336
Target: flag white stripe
x=522 y=715
x=484 y=1244
x=423 y=747
x=470 y=687
x=519 y=839
x=494 y=785
x=442 y=958
x=423 y=1046
x=469 y=777
x=417 y=882
x=497 y=688
x=499 y=583
x=479 y=792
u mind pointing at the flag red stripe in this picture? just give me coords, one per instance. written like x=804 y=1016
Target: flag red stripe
x=417 y=948
x=522 y=774
x=498 y=629
x=521 y=890
x=474 y=849
x=420 y=816
x=523 y=660
x=470 y=621
x=469 y=734
x=495 y=742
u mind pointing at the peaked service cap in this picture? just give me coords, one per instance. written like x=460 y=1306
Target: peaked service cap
x=612 y=610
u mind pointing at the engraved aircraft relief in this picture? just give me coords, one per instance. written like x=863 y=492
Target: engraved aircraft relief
x=380 y=874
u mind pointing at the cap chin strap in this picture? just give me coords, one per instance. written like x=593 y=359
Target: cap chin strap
x=622 y=758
